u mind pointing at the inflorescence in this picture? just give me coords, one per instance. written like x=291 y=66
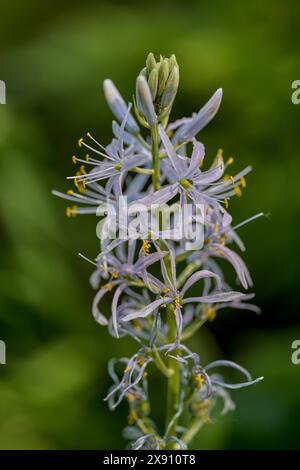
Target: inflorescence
x=162 y=292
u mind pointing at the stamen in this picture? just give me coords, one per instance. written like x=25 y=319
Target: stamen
x=200 y=380
x=114 y=274
x=137 y=324
x=210 y=314
x=243 y=181
x=80 y=142
x=238 y=191
x=141 y=360
x=177 y=301
x=71 y=211
x=109 y=286
x=89 y=135
x=118 y=166
x=146 y=247
x=230 y=161
x=74 y=159
x=131 y=417
x=186 y=183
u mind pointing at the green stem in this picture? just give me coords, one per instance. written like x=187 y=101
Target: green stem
x=161 y=365
x=155 y=158
x=190 y=330
x=173 y=366
x=174 y=379
x=191 y=432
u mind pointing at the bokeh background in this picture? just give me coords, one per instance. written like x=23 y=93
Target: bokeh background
x=54 y=56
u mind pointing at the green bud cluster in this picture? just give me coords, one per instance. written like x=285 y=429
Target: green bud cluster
x=162 y=78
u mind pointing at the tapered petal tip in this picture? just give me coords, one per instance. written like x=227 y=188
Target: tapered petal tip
x=110 y=90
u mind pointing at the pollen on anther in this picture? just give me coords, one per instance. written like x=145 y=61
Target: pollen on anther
x=80 y=142
x=243 y=182
x=238 y=191
x=74 y=159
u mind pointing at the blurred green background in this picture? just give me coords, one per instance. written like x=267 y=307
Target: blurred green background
x=54 y=56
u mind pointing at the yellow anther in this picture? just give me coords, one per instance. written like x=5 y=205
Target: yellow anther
x=141 y=360
x=146 y=247
x=74 y=159
x=131 y=417
x=226 y=203
x=186 y=183
x=231 y=179
x=89 y=135
x=230 y=161
x=128 y=368
x=137 y=324
x=87 y=157
x=82 y=169
x=223 y=241
x=71 y=211
x=210 y=314
x=109 y=286
x=177 y=301
x=80 y=142
x=70 y=192
x=200 y=380
x=166 y=290
x=118 y=166
x=130 y=397
x=238 y=191
x=80 y=185
x=243 y=181
x=114 y=274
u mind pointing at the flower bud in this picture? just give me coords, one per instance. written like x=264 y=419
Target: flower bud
x=150 y=62
x=153 y=82
x=118 y=106
x=171 y=88
x=163 y=74
x=163 y=80
x=144 y=104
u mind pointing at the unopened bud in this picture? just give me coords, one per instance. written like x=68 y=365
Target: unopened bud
x=153 y=82
x=171 y=88
x=144 y=102
x=118 y=106
x=163 y=74
x=150 y=62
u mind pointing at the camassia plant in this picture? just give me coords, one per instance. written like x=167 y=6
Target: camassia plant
x=164 y=227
